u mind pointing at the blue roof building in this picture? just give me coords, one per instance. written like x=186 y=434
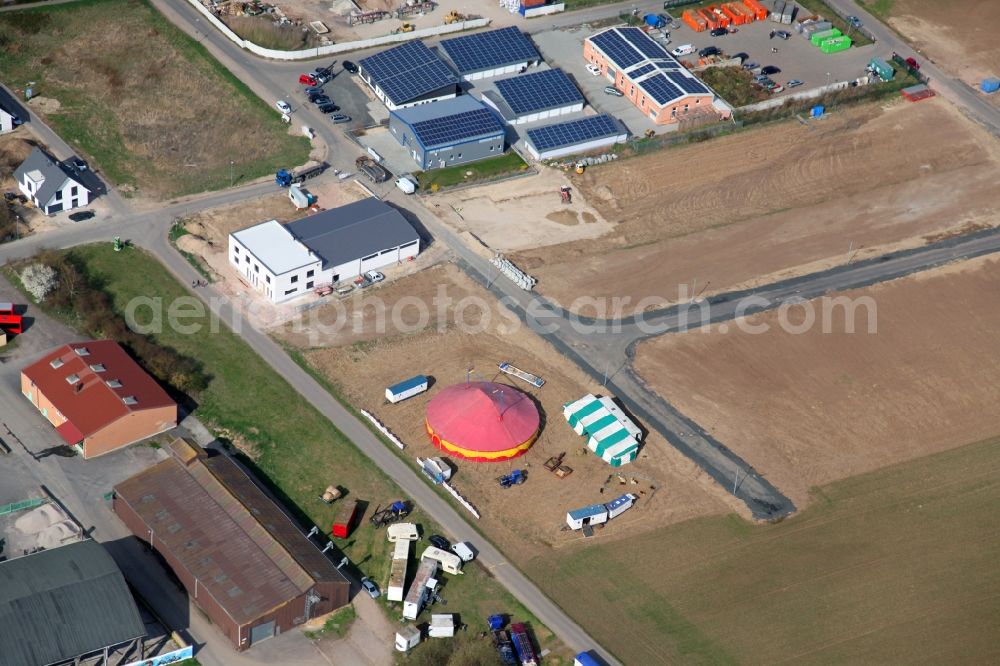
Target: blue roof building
x=450 y=132
x=482 y=55
x=408 y=74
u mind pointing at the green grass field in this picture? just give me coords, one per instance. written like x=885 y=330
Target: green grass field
x=493 y=167
x=897 y=566
x=295 y=449
x=150 y=107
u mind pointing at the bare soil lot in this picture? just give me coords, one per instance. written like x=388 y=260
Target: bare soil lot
x=960 y=35
x=525 y=520
x=808 y=409
x=773 y=201
x=150 y=107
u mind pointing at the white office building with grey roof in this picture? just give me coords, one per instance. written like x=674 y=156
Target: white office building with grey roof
x=284 y=262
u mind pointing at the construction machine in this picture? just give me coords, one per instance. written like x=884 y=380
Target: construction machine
x=515 y=478
x=406 y=27
x=453 y=17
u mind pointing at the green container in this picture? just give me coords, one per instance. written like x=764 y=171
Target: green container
x=836 y=44
x=882 y=68
x=820 y=37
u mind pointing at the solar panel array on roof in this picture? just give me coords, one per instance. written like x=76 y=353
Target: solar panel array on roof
x=408 y=71
x=640 y=71
x=688 y=84
x=558 y=135
x=458 y=127
x=661 y=88
x=539 y=91
x=616 y=48
x=486 y=50
x=641 y=41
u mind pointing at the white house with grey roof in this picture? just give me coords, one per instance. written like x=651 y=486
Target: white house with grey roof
x=283 y=262
x=50 y=185
x=12 y=112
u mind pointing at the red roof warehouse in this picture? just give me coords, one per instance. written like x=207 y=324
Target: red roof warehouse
x=97 y=397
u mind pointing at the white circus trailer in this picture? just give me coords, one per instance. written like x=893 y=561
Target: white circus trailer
x=407 y=638
x=406 y=389
x=620 y=505
x=450 y=562
x=442 y=626
x=402 y=532
x=421 y=588
x=612 y=434
x=595 y=514
x=397 y=572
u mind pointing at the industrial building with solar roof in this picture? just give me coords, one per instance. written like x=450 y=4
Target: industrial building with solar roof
x=407 y=75
x=652 y=79
x=443 y=134
x=244 y=562
x=483 y=55
x=574 y=136
x=536 y=96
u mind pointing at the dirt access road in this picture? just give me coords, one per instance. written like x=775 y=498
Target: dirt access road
x=809 y=409
x=772 y=202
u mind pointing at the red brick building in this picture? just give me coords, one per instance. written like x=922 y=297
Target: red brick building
x=97 y=396
x=652 y=79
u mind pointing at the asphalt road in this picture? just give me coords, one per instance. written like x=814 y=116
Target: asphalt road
x=605 y=354
x=959 y=93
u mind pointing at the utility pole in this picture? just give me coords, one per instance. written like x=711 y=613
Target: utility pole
x=230 y=174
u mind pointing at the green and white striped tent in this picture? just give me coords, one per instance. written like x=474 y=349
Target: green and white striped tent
x=613 y=435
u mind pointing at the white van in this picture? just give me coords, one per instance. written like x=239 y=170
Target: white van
x=402 y=532
x=464 y=551
x=683 y=50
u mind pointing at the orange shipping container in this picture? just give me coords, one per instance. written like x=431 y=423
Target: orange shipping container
x=734 y=16
x=746 y=16
x=715 y=17
x=757 y=9
x=694 y=21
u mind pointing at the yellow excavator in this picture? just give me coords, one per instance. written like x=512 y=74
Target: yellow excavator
x=406 y=27
x=453 y=17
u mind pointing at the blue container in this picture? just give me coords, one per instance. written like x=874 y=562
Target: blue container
x=991 y=85
x=817 y=111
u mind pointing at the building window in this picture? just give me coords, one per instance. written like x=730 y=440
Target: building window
x=74 y=191
x=291 y=291
x=246 y=258
x=295 y=278
x=267 y=279
x=256 y=268
x=309 y=285
x=460 y=156
x=58 y=196
x=236 y=249
x=310 y=273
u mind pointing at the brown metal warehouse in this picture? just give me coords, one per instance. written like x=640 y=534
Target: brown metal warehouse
x=241 y=558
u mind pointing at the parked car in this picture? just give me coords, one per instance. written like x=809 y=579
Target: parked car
x=611 y=90
x=338 y=118
x=777 y=88
x=314 y=90
x=854 y=21
x=439 y=541
x=375 y=276
x=464 y=551
x=784 y=34
x=328 y=108
x=320 y=99
x=593 y=69
x=794 y=83
x=683 y=50
x=350 y=67
x=308 y=80
x=770 y=69
x=282 y=106
x=912 y=62
x=709 y=51
x=719 y=32
x=82 y=215
x=742 y=56
x=371 y=588
x=750 y=65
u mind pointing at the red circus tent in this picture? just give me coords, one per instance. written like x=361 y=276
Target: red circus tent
x=482 y=421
